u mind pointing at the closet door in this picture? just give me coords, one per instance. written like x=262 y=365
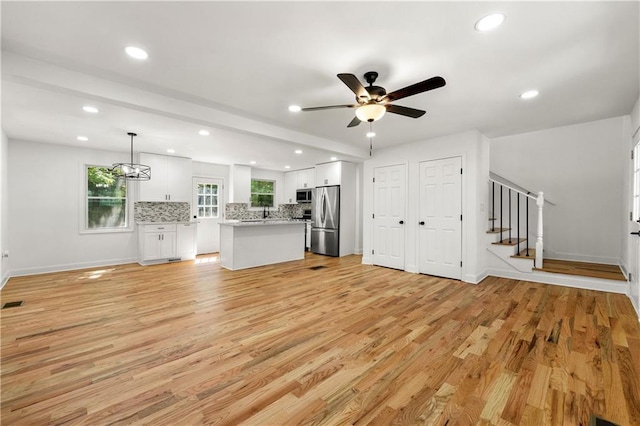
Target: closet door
x=389 y=200
x=440 y=218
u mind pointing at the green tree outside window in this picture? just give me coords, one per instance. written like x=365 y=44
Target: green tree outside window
x=262 y=193
x=106 y=199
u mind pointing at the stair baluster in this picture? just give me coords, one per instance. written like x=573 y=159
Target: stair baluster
x=518 y=226
x=493 y=206
x=527 y=220
x=509 y=215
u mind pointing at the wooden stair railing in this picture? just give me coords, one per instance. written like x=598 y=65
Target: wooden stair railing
x=537 y=253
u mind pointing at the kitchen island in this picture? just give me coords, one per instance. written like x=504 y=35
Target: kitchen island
x=246 y=244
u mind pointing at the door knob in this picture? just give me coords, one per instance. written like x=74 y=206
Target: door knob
x=636 y=233
x=421 y=222
x=401 y=222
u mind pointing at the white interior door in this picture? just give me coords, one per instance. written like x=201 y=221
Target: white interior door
x=389 y=216
x=208 y=207
x=634 y=247
x=440 y=218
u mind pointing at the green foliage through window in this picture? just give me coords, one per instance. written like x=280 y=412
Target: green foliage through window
x=106 y=199
x=262 y=193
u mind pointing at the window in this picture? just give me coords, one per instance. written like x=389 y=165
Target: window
x=636 y=182
x=106 y=206
x=208 y=200
x=262 y=193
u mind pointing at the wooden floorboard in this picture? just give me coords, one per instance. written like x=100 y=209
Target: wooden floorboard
x=191 y=343
x=583 y=269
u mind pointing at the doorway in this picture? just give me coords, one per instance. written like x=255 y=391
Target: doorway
x=389 y=192
x=634 y=247
x=440 y=218
x=207 y=209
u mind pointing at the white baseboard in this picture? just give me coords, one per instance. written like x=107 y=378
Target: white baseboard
x=4 y=281
x=587 y=283
x=70 y=267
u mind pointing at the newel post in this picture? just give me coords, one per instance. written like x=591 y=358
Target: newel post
x=539 y=243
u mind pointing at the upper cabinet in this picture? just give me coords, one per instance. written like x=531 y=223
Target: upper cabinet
x=290 y=186
x=298 y=179
x=328 y=174
x=306 y=178
x=171 y=178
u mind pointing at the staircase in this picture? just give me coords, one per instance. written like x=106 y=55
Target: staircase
x=515 y=238
x=508 y=234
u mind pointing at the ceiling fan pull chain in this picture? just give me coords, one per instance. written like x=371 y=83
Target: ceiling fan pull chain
x=370 y=138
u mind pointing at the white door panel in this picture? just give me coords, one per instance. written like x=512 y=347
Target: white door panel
x=440 y=237
x=389 y=212
x=208 y=207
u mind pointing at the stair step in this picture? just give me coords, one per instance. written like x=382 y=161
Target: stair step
x=510 y=242
x=497 y=230
x=523 y=254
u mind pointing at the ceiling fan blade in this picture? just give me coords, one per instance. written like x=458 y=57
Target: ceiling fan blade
x=406 y=111
x=328 y=107
x=354 y=84
x=354 y=122
x=423 y=86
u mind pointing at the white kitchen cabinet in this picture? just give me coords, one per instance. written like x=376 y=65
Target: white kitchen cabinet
x=170 y=178
x=186 y=244
x=328 y=174
x=156 y=242
x=306 y=178
x=290 y=186
x=163 y=242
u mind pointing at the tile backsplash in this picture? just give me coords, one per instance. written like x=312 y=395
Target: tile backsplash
x=240 y=211
x=146 y=211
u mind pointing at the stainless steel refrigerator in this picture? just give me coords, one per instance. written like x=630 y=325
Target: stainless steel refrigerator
x=325 y=220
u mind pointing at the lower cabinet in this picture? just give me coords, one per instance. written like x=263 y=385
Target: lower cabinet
x=166 y=242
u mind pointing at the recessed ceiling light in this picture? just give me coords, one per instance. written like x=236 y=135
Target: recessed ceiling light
x=252 y=162
x=371 y=134
x=89 y=108
x=489 y=22
x=287 y=167
x=136 y=52
x=204 y=133
x=171 y=151
x=82 y=138
x=333 y=158
x=294 y=108
x=298 y=151
x=529 y=94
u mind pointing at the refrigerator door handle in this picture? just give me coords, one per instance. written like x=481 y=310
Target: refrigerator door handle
x=324 y=208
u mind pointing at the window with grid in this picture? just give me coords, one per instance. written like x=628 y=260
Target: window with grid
x=208 y=206
x=636 y=182
x=106 y=200
x=262 y=193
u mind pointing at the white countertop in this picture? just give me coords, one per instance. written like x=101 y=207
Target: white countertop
x=263 y=222
x=168 y=223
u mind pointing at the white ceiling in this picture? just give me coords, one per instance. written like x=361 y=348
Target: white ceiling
x=234 y=67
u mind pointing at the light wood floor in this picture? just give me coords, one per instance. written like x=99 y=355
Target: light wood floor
x=583 y=269
x=191 y=343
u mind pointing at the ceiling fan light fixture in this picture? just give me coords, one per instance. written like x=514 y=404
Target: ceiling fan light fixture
x=131 y=170
x=490 y=22
x=370 y=112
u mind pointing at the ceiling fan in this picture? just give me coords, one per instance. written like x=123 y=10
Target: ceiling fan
x=374 y=101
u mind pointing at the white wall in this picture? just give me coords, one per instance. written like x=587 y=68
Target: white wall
x=473 y=148
x=4 y=213
x=239 y=184
x=578 y=167
x=44 y=211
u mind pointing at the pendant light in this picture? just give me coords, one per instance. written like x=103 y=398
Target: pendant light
x=131 y=171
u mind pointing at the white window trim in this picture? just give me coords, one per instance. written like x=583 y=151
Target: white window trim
x=82 y=205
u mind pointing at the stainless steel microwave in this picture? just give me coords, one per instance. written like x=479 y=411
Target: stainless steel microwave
x=303 y=195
